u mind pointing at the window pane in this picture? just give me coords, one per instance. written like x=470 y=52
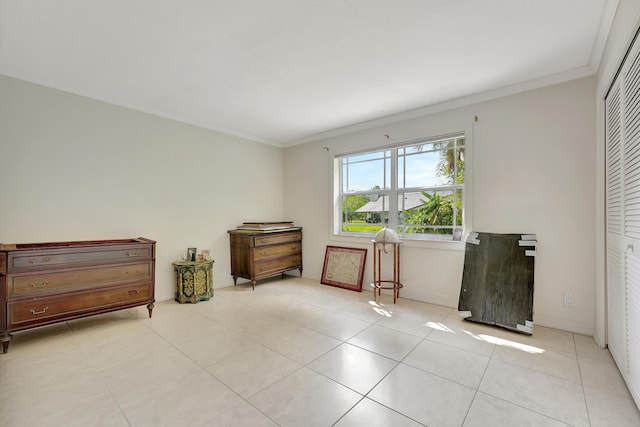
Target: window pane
x=344 y=177
x=428 y=212
x=458 y=195
x=387 y=176
x=364 y=213
x=451 y=165
x=420 y=170
x=367 y=156
x=460 y=175
x=408 y=203
x=366 y=174
x=432 y=164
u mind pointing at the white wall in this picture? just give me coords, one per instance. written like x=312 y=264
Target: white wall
x=532 y=172
x=624 y=26
x=72 y=168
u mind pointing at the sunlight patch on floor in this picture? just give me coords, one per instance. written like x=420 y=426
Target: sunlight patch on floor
x=508 y=343
x=489 y=339
x=439 y=326
x=378 y=308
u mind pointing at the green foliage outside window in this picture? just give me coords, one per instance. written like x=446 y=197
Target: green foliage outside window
x=438 y=208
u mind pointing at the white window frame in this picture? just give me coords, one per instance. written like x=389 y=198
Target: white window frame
x=409 y=239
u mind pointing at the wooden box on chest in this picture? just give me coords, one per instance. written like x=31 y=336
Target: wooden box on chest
x=44 y=283
x=257 y=255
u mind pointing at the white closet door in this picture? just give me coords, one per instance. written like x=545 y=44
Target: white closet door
x=616 y=288
x=631 y=138
x=622 y=138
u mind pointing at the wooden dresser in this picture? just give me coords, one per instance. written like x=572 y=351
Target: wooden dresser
x=256 y=255
x=44 y=283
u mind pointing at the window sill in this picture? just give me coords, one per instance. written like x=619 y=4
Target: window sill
x=444 y=245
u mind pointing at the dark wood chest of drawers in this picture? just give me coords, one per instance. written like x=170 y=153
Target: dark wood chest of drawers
x=256 y=255
x=44 y=283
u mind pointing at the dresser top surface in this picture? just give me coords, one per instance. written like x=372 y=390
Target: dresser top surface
x=250 y=232
x=75 y=244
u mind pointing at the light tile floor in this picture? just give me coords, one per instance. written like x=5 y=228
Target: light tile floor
x=297 y=353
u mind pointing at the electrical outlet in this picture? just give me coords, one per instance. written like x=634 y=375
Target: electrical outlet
x=568 y=300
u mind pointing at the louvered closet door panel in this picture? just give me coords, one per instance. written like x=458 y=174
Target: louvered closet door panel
x=614 y=171
x=631 y=141
x=616 y=302
x=631 y=135
x=616 y=292
x=632 y=189
x=633 y=329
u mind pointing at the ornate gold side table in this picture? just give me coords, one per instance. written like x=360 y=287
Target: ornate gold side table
x=193 y=281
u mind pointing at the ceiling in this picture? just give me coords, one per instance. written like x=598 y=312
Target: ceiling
x=284 y=71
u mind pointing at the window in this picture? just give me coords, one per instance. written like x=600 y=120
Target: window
x=416 y=188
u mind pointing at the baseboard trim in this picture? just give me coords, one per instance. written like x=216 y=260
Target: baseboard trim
x=564 y=324
x=445 y=300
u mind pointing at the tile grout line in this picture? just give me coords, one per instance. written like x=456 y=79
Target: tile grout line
x=365 y=396
x=398 y=363
x=517 y=404
x=209 y=373
x=584 y=394
x=491 y=357
x=302 y=366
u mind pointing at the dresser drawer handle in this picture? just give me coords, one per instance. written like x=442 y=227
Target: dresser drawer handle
x=263 y=253
x=133 y=292
x=136 y=253
x=44 y=310
x=39 y=285
x=44 y=261
x=262 y=241
x=294 y=247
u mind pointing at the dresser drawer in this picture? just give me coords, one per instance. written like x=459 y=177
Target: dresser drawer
x=277 y=238
x=63 y=281
x=39 y=260
x=268 y=266
x=269 y=251
x=42 y=310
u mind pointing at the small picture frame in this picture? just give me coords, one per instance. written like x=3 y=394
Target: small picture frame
x=206 y=255
x=344 y=267
x=182 y=255
x=191 y=254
